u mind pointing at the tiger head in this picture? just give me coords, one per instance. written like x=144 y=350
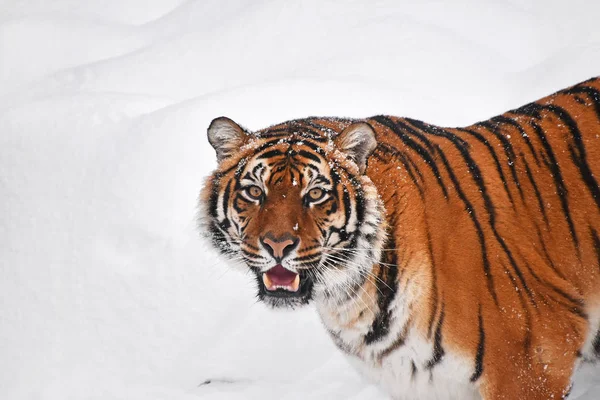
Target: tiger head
x=292 y=204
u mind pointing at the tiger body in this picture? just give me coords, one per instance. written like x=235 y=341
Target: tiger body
x=468 y=265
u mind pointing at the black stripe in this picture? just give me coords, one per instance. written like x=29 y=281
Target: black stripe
x=578 y=153
x=328 y=132
x=333 y=206
x=462 y=147
x=480 y=350
x=214 y=195
x=292 y=127
x=410 y=166
x=575 y=305
x=568 y=391
x=596 y=344
x=492 y=152
x=277 y=174
x=270 y=153
x=503 y=119
x=252 y=247
x=495 y=130
x=303 y=127
x=237 y=207
x=423 y=152
x=256 y=169
x=218 y=239
x=255 y=265
x=413 y=166
x=538 y=195
x=313 y=169
x=313 y=146
x=322 y=179
x=434 y=288
x=473 y=215
x=573 y=309
x=297 y=167
x=347 y=206
x=438 y=350
x=359 y=198
x=398 y=342
x=527 y=339
x=306 y=257
x=323 y=132
x=561 y=189
x=226 y=194
x=387 y=286
x=309 y=248
x=546 y=253
x=596 y=241
x=310 y=263
x=359 y=208
x=310 y=156
x=413 y=370
x=275 y=141
x=593 y=94
x=252 y=255
x=514 y=265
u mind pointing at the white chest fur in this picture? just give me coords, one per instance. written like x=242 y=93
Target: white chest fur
x=407 y=372
x=404 y=374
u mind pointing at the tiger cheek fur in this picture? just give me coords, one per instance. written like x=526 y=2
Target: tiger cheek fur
x=448 y=263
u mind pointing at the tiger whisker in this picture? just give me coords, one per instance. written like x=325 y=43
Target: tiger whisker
x=355 y=252
x=361 y=248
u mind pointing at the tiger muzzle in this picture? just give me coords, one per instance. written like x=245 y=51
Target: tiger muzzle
x=279 y=247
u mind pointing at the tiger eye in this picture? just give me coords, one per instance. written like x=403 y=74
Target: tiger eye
x=254 y=192
x=315 y=194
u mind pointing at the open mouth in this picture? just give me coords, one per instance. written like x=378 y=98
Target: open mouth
x=281 y=278
x=281 y=282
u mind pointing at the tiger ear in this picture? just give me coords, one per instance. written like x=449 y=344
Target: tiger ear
x=226 y=137
x=357 y=141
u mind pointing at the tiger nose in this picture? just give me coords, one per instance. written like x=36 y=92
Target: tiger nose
x=279 y=247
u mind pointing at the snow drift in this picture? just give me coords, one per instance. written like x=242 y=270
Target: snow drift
x=106 y=290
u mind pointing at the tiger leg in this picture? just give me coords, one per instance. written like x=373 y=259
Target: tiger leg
x=541 y=366
x=529 y=384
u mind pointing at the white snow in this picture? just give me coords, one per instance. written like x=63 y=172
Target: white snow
x=106 y=292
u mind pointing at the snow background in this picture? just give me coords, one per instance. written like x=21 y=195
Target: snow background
x=106 y=291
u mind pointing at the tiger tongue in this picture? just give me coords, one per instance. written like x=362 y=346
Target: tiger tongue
x=280 y=276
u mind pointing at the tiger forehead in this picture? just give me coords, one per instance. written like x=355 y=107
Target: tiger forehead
x=297 y=130
x=288 y=162
x=290 y=152
x=293 y=144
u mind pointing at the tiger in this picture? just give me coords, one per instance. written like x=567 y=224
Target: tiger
x=447 y=263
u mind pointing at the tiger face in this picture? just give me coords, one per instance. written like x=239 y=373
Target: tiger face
x=294 y=207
